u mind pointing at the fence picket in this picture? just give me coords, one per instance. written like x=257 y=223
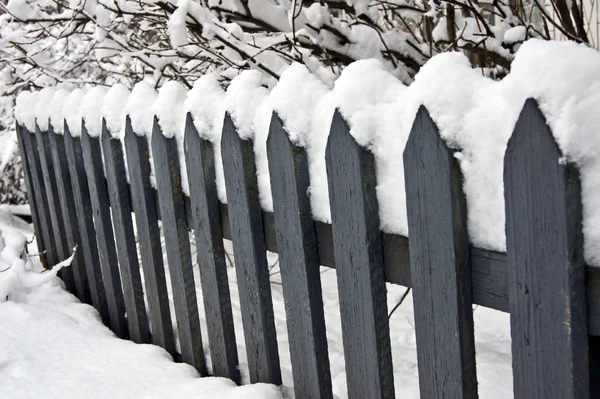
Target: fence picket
x=177 y=242
x=65 y=195
x=92 y=156
x=298 y=264
x=84 y=213
x=56 y=218
x=36 y=207
x=359 y=263
x=118 y=191
x=245 y=218
x=545 y=264
x=210 y=251
x=146 y=211
x=440 y=264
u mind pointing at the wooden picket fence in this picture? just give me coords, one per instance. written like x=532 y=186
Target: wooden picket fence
x=80 y=195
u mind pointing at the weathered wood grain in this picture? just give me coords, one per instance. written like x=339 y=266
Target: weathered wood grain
x=210 y=252
x=36 y=207
x=246 y=224
x=146 y=218
x=98 y=193
x=440 y=264
x=298 y=264
x=546 y=270
x=177 y=242
x=56 y=217
x=66 y=197
x=129 y=267
x=359 y=264
x=84 y=216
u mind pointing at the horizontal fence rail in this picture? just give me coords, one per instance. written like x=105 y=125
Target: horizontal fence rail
x=552 y=297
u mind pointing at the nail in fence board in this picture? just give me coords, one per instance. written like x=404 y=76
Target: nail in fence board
x=545 y=264
x=84 y=213
x=177 y=241
x=299 y=264
x=133 y=293
x=245 y=218
x=206 y=217
x=31 y=194
x=144 y=205
x=359 y=264
x=56 y=218
x=92 y=156
x=440 y=264
x=65 y=194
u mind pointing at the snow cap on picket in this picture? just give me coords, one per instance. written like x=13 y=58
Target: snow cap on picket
x=91 y=110
x=169 y=108
x=243 y=99
x=114 y=109
x=140 y=108
x=56 y=106
x=42 y=107
x=25 y=109
x=206 y=103
x=71 y=111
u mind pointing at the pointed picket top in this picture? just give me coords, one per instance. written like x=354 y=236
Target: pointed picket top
x=546 y=270
x=299 y=264
x=439 y=263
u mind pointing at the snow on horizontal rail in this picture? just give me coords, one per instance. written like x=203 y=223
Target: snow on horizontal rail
x=475 y=115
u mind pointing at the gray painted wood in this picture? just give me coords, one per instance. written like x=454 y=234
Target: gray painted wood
x=177 y=242
x=440 y=264
x=358 y=252
x=145 y=207
x=246 y=223
x=546 y=270
x=131 y=280
x=31 y=197
x=98 y=192
x=84 y=213
x=298 y=264
x=56 y=217
x=66 y=197
x=206 y=215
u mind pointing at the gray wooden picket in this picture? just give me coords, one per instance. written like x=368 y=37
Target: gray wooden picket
x=440 y=264
x=210 y=251
x=359 y=263
x=177 y=242
x=98 y=192
x=145 y=208
x=245 y=218
x=298 y=264
x=84 y=213
x=545 y=264
x=66 y=197
x=34 y=204
x=129 y=267
x=56 y=217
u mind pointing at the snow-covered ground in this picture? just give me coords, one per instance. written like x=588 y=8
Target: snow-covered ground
x=55 y=346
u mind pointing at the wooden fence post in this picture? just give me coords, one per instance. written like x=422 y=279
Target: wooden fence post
x=177 y=242
x=55 y=211
x=440 y=264
x=146 y=219
x=83 y=210
x=359 y=264
x=547 y=293
x=92 y=157
x=37 y=209
x=299 y=264
x=245 y=218
x=205 y=208
x=118 y=191
x=65 y=194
